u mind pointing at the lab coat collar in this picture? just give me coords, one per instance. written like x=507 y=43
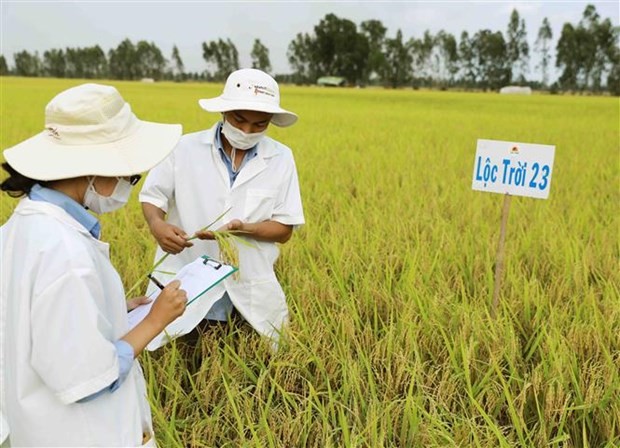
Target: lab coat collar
x=68 y=204
x=266 y=149
x=29 y=207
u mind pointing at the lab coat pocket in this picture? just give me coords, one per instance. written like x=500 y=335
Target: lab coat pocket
x=259 y=204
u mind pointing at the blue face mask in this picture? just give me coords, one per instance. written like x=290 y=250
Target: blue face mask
x=104 y=204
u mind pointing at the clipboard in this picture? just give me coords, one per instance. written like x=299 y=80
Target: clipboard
x=199 y=273
x=201 y=279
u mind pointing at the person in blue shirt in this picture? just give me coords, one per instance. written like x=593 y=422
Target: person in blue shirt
x=238 y=179
x=67 y=365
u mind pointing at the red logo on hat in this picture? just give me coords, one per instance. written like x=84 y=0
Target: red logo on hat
x=263 y=90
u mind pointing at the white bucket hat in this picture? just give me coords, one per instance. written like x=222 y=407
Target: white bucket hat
x=251 y=89
x=91 y=130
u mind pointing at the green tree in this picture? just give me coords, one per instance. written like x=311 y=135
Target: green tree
x=74 y=63
x=517 y=48
x=446 y=57
x=587 y=45
x=94 y=62
x=467 y=60
x=27 y=64
x=4 y=68
x=567 y=58
x=492 y=62
x=375 y=35
x=178 y=63
x=339 y=50
x=587 y=53
x=606 y=37
x=613 y=54
x=54 y=63
x=222 y=58
x=300 y=57
x=613 y=79
x=260 y=56
x=398 y=60
x=422 y=52
x=545 y=34
x=123 y=61
x=149 y=60
x=335 y=49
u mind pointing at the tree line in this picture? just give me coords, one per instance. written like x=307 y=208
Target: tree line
x=586 y=56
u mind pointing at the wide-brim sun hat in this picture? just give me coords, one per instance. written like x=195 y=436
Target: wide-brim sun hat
x=251 y=89
x=91 y=131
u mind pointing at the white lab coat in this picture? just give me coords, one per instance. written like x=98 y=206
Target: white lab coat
x=192 y=186
x=62 y=307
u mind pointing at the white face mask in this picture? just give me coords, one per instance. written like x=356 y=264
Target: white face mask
x=104 y=204
x=239 y=139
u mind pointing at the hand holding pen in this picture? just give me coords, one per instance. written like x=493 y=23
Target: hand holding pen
x=157 y=282
x=170 y=303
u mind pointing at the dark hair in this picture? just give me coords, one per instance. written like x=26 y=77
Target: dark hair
x=17 y=185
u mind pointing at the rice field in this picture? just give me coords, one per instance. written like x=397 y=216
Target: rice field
x=391 y=341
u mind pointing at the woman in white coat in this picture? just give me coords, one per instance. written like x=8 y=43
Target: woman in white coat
x=68 y=375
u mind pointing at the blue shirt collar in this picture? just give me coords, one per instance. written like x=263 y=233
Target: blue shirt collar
x=75 y=210
x=249 y=154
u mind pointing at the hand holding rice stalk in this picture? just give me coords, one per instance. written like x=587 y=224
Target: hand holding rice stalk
x=224 y=237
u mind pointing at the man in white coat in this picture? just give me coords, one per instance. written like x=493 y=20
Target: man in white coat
x=233 y=167
x=68 y=375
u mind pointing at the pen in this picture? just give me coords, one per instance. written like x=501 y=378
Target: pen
x=154 y=280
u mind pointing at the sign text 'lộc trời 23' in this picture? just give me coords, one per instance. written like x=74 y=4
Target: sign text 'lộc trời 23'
x=518 y=169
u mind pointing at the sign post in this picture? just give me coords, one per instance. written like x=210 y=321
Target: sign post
x=513 y=169
x=499 y=257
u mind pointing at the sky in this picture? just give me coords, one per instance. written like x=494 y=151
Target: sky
x=41 y=25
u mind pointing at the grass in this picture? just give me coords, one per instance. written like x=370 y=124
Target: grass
x=391 y=342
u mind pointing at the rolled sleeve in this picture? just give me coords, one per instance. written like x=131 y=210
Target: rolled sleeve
x=158 y=188
x=124 y=352
x=289 y=209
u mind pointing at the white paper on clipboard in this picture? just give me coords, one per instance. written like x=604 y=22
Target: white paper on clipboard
x=202 y=280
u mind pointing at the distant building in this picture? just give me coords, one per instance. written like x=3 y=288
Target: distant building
x=149 y=80
x=331 y=81
x=515 y=90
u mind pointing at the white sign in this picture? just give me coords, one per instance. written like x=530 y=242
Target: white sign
x=518 y=169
